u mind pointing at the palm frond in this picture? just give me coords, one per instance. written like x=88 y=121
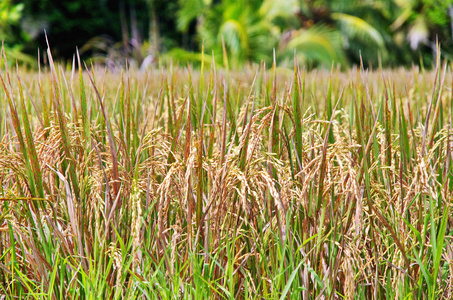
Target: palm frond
x=189 y=11
x=319 y=45
x=355 y=27
x=247 y=34
x=235 y=36
x=274 y=9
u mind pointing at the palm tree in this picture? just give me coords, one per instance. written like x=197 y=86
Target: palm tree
x=340 y=31
x=321 y=32
x=239 y=27
x=316 y=45
x=249 y=30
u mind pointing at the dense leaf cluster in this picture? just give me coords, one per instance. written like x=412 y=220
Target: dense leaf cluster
x=386 y=32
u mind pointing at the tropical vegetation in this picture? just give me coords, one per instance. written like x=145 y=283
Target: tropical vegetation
x=202 y=149
x=156 y=32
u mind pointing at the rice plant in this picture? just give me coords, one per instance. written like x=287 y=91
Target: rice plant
x=261 y=183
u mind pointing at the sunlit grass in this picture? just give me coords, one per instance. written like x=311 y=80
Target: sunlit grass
x=251 y=184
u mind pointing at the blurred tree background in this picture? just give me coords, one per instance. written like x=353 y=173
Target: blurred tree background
x=150 y=32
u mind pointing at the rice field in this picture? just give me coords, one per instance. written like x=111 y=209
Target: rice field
x=260 y=183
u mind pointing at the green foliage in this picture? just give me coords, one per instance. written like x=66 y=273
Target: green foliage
x=424 y=21
x=183 y=58
x=321 y=32
x=11 y=34
x=318 y=45
x=191 y=10
x=384 y=32
x=355 y=27
x=238 y=25
x=10 y=15
x=437 y=11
